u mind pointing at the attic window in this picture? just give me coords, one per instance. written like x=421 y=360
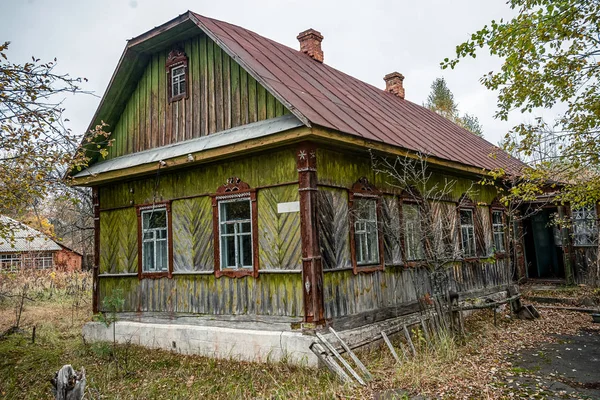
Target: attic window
x=177 y=75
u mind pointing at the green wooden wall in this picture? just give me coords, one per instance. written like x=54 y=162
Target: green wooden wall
x=344 y=169
x=270 y=294
x=222 y=95
x=194 y=288
x=271 y=168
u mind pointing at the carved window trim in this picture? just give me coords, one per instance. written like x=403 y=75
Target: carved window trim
x=162 y=274
x=466 y=204
x=177 y=58
x=495 y=207
x=234 y=189
x=363 y=190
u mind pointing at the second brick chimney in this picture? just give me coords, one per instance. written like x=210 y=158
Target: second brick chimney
x=310 y=44
x=394 y=83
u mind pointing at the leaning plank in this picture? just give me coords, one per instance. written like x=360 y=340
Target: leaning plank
x=358 y=363
x=409 y=340
x=389 y=345
x=330 y=362
x=425 y=332
x=341 y=359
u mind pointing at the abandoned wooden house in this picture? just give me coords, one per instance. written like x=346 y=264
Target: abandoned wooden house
x=27 y=248
x=238 y=203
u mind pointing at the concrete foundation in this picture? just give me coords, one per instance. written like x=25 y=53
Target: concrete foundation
x=211 y=341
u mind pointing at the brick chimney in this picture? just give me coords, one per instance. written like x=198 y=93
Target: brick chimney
x=310 y=43
x=394 y=84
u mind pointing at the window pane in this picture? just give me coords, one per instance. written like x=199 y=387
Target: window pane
x=235 y=210
x=412 y=232
x=466 y=217
x=365 y=231
x=497 y=217
x=228 y=252
x=161 y=255
x=148 y=250
x=246 y=250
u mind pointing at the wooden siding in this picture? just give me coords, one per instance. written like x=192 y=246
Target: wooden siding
x=279 y=242
x=222 y=95
x=337 y=168
x=265 y=169
x=118 y=238
x=347 y=294
x=270 y=294
x=391 y=230
x=193 y=235
x=333 y=228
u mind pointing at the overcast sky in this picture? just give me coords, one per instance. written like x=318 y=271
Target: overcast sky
x=366 y=39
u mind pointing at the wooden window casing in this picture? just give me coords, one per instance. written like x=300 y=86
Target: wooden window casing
x=176 y=60
x=496 y=209
x=585 y=226
x=235 y=190
x=466 y=208
x=363 y=192
x=141 y=209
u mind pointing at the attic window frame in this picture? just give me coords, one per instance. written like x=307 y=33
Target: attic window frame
x=362 y=190
x=177 y=58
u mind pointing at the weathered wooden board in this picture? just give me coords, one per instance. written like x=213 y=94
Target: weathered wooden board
x=339 y=168
x=276 y=167
x=222 y=95
x=391 y=230
x=279 y=239
x=118 y=238
x=193 y=234
x=333 y=228
x=270 y=294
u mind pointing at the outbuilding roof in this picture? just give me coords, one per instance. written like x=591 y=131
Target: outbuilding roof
x=24 y=238
x=316 y=93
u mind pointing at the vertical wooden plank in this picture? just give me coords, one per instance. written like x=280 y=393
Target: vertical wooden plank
x=203 y=85
x=261 y=102
x=236 y=118
x=162 y=100
x=220 y=113
x=278 y=108
x=243 y=96
x=270 y=106
x=153 y=90
x=195 y=107
x=143 y=110
x=212 y=105
x=252 y=99
x=187 y=105
x=226 y=91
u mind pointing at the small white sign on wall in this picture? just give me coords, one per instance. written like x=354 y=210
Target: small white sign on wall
x=293 y=206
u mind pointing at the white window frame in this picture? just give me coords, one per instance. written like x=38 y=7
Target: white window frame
x=362 y=233
x=469 y=229
x=413 y=242
x=239 y=250
x=154 y=239
x=585 y=229
x=498 y=232
x=10 y=262
x=177 y=80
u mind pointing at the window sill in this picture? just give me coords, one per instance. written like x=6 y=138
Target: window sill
x=367 y=268
x=236 y=273
x=178 y=97
x=155 y=275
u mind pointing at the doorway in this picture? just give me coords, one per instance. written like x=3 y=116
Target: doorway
x=543 y=248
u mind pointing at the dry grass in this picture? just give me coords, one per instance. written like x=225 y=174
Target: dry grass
x=475 y=368
x=26 y=368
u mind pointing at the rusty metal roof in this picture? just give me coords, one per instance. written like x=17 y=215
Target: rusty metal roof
x=321 y=95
